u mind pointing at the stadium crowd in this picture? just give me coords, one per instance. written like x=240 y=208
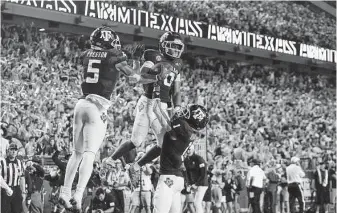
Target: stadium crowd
x=293 y=21
x=257 y=112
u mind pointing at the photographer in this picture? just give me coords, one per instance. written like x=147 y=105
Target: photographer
x=34 y=178
x=104 y=202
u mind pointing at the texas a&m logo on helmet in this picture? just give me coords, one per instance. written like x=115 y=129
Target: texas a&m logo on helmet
x=105 y=38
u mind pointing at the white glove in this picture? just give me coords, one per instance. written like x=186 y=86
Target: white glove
x=177 y=109
x=134 y=78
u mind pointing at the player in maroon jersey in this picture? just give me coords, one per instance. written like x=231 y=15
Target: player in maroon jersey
x=176 y=141
x=166 y=59
x=102 y=65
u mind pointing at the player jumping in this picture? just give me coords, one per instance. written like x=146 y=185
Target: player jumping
x=176 y=141
x=167 y=59
x=102 y=66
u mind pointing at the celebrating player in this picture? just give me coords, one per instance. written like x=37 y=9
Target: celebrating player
x=102 y=66
x=167 y=59
x=176 y=141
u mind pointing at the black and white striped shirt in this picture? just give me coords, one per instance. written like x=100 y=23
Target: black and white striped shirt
x=11 y=171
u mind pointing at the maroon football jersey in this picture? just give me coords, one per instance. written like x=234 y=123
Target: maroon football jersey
x=100 y=73
x=165 y=85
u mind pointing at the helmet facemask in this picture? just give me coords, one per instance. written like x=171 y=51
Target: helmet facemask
x=183 y=113
x=116 y=44
x=173 y=49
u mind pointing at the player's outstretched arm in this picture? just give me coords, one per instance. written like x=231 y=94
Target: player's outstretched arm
x=132 y=73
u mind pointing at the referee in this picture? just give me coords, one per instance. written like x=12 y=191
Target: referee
x=12 y=171
x=294 y=178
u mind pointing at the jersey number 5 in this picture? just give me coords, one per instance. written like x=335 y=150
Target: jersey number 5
x=95 y=71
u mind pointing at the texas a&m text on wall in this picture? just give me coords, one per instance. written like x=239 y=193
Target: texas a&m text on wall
x=110 y=12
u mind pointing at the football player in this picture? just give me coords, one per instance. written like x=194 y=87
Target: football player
x=102 y=64
x=166 y=59
x=176 y=141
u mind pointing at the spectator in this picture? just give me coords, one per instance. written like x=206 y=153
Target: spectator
x=34 y=178
x=239 y=182
x=332 y=178
x=30 y=147
x=141 y=196
x=321 y=179
x=273 y=179
x=282 y=191
x=229 y=191
x=118 y=180
x=217 y=183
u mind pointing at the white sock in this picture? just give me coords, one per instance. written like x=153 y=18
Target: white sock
x=65 y=191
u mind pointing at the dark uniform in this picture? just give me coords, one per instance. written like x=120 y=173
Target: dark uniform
x=155 y=65
x=165 y=84
x=175 y=144
x=196 y=170
x=171 y=181
x=34 y=180
x=100 y=74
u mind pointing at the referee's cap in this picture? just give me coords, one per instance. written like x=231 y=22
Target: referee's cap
x=294 y=159
x=13 y=146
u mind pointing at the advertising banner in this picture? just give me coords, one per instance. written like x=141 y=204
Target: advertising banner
x=108 y=11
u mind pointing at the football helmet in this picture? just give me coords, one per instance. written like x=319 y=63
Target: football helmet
x=171 y=45
x=105 y=38
x=196 y=116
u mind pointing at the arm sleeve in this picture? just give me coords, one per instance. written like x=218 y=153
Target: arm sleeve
x=203 y=171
